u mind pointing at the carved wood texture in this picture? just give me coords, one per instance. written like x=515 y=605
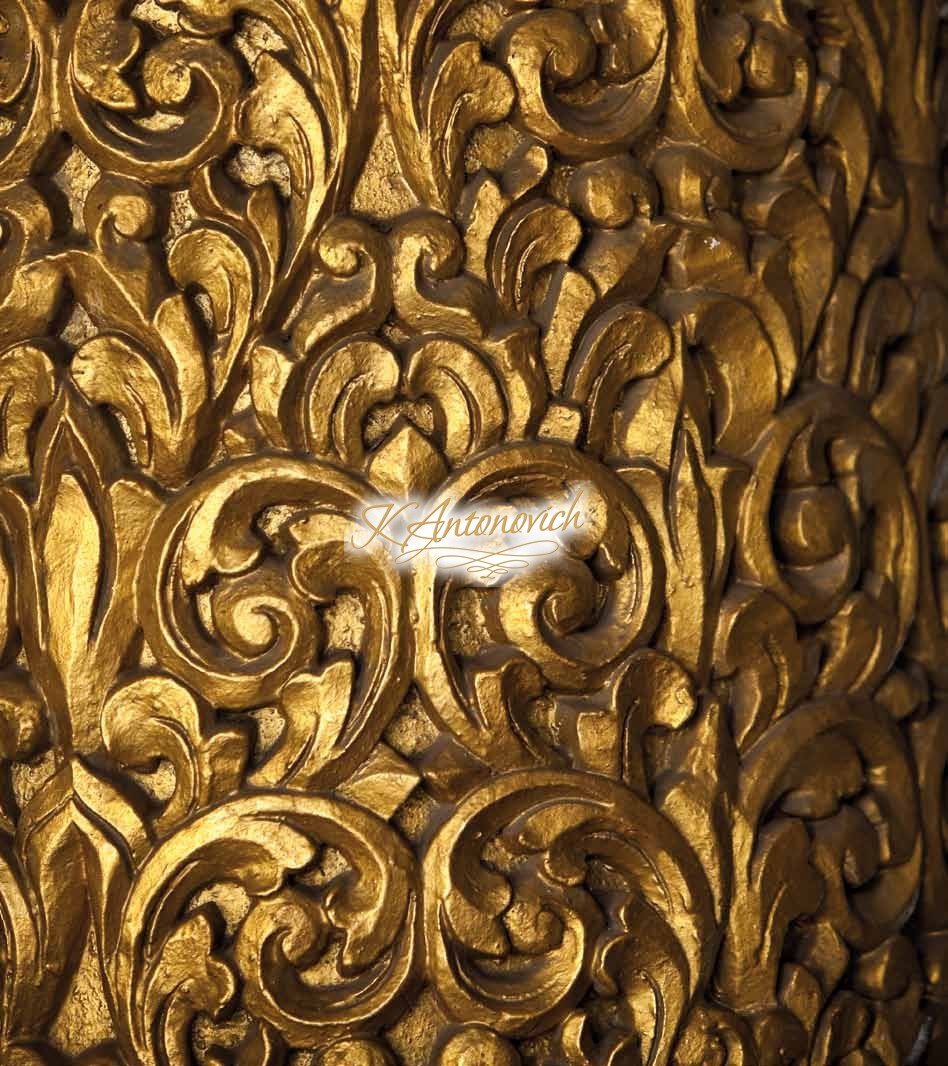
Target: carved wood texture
x=678 y=798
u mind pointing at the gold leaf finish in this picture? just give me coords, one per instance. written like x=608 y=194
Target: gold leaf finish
x=675 y=796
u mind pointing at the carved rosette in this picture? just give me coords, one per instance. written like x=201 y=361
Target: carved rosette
x=672 y=797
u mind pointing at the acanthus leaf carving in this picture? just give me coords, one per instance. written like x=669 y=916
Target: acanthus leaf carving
x=673 y=794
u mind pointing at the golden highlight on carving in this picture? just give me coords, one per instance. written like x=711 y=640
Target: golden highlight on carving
x=674 y=795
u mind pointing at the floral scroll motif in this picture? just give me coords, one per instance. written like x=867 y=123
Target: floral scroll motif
x=673 y=797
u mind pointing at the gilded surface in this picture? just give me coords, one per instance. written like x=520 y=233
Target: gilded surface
x=677 y=798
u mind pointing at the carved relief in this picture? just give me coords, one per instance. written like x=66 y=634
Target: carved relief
x=673 y=797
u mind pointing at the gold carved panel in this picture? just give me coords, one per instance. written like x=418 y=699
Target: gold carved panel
x=674 y=796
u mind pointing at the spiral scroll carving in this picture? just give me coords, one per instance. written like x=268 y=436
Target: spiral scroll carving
x=673 y=795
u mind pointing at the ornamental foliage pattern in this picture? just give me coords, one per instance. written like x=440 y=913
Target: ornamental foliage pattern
x=678 y=799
